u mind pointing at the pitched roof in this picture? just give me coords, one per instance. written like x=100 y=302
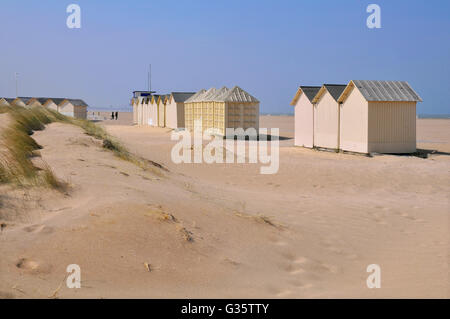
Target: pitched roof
x=385 y=91
x=201 y=95
x=221 y=94
x=239 y=95
x=211 y=93
x=181 y=96
x=57 y=100
x=310 y=92
x=195 y=96
x=25 y=99
x=163 y=98
x=335 y=91
x=42 y=100
x=217 y=95
x=77 y=102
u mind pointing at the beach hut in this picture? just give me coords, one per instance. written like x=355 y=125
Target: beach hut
x=378 y=116
x=175 y=109
x=222 y=109
x=139 y=99
x=304 y=115
x=153 y=110
x=19 y=102
x=326 y=116
x=51 y=104
x=145 y=111
x=134 y=105
x=140 y=110
x=4 y=102
x=74 y=108
x=33 y=102
x=161 y=104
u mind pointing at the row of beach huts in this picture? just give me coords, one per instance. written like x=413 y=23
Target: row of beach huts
x=361 y=116
x=214 y=108
x=76 y=108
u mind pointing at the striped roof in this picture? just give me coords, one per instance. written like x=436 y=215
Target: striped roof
x=217 y=95
x=239 y=95
x=194 y=97
x=223 y=95
x=200 y=96
x=384 y=91
x=223 y=92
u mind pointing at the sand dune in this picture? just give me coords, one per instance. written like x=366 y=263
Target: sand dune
x=226 y=231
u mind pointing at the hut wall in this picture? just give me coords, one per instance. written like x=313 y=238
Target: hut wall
x=326 y=122
x=392 y=127
x=354 y=123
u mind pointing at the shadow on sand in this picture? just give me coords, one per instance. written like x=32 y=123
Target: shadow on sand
x=421 y=153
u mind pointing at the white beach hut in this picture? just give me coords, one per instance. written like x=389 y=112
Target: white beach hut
x=74 y=108
x=4 y=102
x=304 y=115
x=153 y=110
x=378 y=116
x=161 y=104
x=51 y=104
x=20 y=102
x=326 y=116
x=175 y=109
x=31 y=101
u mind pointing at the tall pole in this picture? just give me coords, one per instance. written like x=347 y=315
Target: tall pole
x=150 y=78
x=16 y=75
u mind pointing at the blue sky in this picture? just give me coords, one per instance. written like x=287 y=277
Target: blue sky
x=268 y=48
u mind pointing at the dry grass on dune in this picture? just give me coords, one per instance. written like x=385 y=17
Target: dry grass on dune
x=18 y=147
x=116 y=147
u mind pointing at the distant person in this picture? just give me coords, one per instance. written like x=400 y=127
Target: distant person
x=117 y=115
x=112 y=116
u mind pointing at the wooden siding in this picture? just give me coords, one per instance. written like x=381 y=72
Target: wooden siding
x=392 y=127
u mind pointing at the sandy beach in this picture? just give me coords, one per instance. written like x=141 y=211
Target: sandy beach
x=225 y=230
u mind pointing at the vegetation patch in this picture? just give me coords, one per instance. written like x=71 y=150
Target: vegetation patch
x=260 y=218
x=116 y=147
x=17 y=148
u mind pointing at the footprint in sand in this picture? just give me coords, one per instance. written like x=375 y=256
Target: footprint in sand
x=38 y=229
x=293 y=269
x=412 y=218
x=300 y=284
x=33 y=266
